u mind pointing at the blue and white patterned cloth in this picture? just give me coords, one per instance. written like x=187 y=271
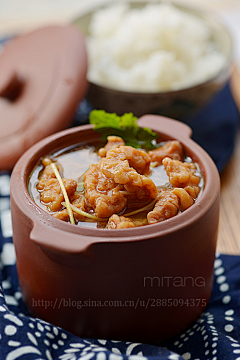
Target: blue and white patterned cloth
x=215 y=335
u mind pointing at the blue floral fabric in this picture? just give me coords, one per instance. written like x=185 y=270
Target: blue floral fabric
x=215 y=335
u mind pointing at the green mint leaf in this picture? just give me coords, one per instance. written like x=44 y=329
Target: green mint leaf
x=125 y=126
x=129 y=120
x=101 y=119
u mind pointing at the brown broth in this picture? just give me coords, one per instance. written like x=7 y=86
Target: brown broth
x=74 y=161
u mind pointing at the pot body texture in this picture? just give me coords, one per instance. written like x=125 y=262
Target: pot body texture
x=145 y=284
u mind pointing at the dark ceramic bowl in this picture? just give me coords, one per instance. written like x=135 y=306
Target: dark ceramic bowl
x=141 y=284
x=175 y=104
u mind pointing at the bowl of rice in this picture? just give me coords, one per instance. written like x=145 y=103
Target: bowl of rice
x=154 y=57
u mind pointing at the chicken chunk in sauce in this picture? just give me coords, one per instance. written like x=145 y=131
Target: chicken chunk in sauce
x=167 y=206
x=119 y=222
x=50 y=191
x=112 y=180
x=182 y=175
x=113 y=142
x=172 y=149
x=103 y=195
x=77 y=200
x=137 y=159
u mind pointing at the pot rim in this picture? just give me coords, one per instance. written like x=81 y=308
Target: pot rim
x=79 y=237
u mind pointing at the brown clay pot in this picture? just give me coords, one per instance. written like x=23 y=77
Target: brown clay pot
x=43 y=80
x=141 y=284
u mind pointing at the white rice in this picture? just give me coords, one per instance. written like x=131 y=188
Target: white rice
x=155 y=48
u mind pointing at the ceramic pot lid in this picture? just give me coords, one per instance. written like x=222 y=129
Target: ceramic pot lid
x=43 y=77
